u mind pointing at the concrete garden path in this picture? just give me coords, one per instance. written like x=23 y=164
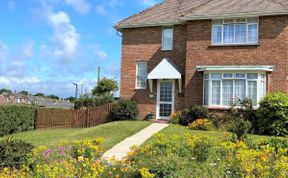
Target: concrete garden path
x=120 y=150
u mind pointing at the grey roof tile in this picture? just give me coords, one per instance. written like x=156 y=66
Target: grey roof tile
x=177 y=11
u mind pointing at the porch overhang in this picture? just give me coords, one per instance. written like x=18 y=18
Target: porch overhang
x=264 y=68
x=165 y=70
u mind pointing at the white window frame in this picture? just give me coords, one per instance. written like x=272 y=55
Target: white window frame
x=234 y=22
x=163 y=41
x=136 y=78
x=260 y=80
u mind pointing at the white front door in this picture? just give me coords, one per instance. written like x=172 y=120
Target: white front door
x=165 y=98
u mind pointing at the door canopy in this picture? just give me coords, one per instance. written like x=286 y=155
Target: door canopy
x=165 y=70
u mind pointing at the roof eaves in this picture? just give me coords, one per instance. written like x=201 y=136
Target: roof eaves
x=216 y=16
x=118 y=27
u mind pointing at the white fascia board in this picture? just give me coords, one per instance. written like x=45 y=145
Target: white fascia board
x=235 y=68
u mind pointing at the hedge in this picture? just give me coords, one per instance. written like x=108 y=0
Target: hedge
x=14 y=119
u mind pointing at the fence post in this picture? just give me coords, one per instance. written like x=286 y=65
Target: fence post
x=36 y=120
x=87 y=118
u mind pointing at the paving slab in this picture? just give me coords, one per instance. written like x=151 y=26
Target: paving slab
x=121 y=150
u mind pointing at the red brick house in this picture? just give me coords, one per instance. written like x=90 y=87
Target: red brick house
x=209 y=52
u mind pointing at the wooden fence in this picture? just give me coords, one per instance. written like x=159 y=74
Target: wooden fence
x=61 y=118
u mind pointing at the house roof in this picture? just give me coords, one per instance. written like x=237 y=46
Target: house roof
x=171 y=12
x=166 y=69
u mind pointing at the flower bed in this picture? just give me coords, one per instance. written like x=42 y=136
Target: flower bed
x=163 y=156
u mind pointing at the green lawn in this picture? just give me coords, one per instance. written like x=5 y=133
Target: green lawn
x=112 y=132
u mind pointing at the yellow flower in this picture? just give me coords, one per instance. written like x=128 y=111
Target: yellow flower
x=80 y=158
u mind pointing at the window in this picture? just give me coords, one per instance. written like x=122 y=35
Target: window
x=141 y=75
x=235 y=31
x=167 y=38
x=222 y=89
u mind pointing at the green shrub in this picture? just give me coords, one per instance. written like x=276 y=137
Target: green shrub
x=86 y=102
x=125 y=110
x=239 y=127
x=15 y=118
x=201 y=150
x=193 y=113
x=14 y=153
x=175 y=117
x=273 y=115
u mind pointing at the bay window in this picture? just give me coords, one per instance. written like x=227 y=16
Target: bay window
x=223 y=88
x=235 y=31
x=141 y=75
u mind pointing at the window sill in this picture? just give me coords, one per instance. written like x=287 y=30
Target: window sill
x=234 y=45
x=166 y=50
x=137 y=89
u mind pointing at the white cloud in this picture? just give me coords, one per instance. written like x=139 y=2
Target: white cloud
x=27 y=50
x=100 y=9
x=5 y=80
x=98 y=52
x=65 y=37
x=4 y=52
x=81 y=6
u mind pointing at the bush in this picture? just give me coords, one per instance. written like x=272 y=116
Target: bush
x=125 y=110
x=175 y=117
x=14 y=119
x=14 y=153
x=239 y=127
x=273 y=115
x=200 y=124
x=193 y=113
x=86 y=102
x=201 y=150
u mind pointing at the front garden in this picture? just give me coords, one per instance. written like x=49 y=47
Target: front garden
x=240 y=143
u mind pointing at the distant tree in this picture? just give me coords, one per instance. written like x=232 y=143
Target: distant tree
x=24 y=92
x=105 y=86
x=71 y=99
x=53 y=97
x=4 y=90
x=40 y=94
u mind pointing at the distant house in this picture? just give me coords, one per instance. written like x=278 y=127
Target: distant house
x=208 y=52
x=18 y=98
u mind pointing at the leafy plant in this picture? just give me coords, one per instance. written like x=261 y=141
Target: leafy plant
x=239 y=127
x=15 y=118
x=14 y=153
x=105 y=86
x=92 y=102
x=201 y=150
x=175 y=117
x=124 y=110
x=273 y=115
x=201 y=124
x=193 y=113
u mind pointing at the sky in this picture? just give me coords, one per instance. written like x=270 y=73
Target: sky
x=46 y=45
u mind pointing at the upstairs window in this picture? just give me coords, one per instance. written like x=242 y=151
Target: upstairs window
x=235 y=31
x=141 y=75
x=167 y=38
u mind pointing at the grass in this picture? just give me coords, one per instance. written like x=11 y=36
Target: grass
x=112 y=132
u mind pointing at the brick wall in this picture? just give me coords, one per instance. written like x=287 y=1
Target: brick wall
x=272 y=50
x=144 y=44
x=191 y=48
